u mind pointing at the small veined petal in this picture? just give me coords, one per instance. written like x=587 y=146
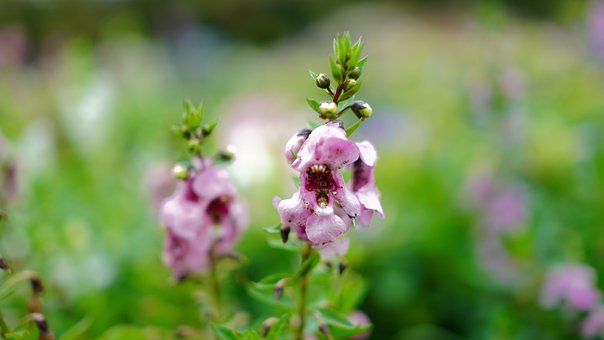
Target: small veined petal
x=294 y=213
x=181 y=215
x=347 y=199
x=337 y=248
x=324 y=229
x=365 y=189
x=367 y=153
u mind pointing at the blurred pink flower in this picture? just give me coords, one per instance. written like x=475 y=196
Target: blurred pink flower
x=158 y=182
x=359 y=318
x=593 y=325
x=572 y=284
x=596 y=25
x=203 y=218
x=505 y=211
x=323 y=207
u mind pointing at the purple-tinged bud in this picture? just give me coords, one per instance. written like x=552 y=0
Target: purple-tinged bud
x=285 y=233
x=328 y=110
x=3 y=264
x=355 y=73
x=278 y=289
x=45 y=332
x=267 y=325
x=361 y=109
x=322 y=81
x=36 y=284
x=180 y=172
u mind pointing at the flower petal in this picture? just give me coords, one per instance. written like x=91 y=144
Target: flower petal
x=328 y=145
x=294 y=213
x=337 y=248
x=324 y=228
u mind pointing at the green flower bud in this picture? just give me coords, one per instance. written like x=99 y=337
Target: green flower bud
x=361 y=109
x=228 y=153
x=180 y=171
x=349 y=83
x=322 y=81
x=194 y=145
x=328 y=110
x=355 y=73
x=206 y=129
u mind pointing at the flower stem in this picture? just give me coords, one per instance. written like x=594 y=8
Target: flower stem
x=215 y=287
x=306 y=252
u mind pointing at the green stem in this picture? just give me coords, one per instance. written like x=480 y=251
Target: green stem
x=215 y=287
x=303 y=294
x=3 y=326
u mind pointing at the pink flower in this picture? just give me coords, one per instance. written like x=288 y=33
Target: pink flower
x=572 y=284
x=203 y=218
x=505 y=211
x=159 y=184
x=324 y=207
x=363 y=183
x=593 y=325
x=361 y=319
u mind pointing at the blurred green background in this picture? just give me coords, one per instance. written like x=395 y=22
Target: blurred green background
x=510 y=91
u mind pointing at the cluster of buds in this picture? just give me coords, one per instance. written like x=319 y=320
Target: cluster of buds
x=203 y=217
x=346 y=69
x=324 y=207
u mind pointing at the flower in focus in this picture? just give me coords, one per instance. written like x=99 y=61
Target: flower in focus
x=324 y=207
x=203 y=219
x=574 y=285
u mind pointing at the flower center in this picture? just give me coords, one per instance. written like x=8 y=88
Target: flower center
x=319 y=177
x=218 y=208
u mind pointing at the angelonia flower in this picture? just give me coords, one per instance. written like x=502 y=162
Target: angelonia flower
x=203 y=217
x=324 y=207
x=596 y=26
x=359 y=318
x=593 y=325
x=158 y=183
x=572 y=285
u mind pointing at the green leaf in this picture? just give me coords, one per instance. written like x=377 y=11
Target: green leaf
x=352 y=290
x=124 y=332
x=313 y=75
x=310 y=263
x=336 y=70
x=361 y=64
x=339 y=325
x=276 y=229
x=313 y=104
x=353 y=128
x=290 y=246
x=279 y=327
x=313 y=125
x=342 y=50
x=351 y=92
x=344 y=103
x=264 y=291
x=225 y=333
x=78 y=330
x=355 y=54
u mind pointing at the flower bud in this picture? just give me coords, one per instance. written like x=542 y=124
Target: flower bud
x=284 y=233
x=349 y=84
x=206 y=129
x=228 y=153
x=322 y=81
x=342 y=267
x=3 y=264
x=267 y=325
x=45 y=332
x=180 y=171
x=361 y=109
x=355 y=73
x=194 y=145
x=328 y=110
x=279 y=286
x=36 y=284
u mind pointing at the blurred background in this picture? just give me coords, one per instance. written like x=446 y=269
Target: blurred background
x=487 y=119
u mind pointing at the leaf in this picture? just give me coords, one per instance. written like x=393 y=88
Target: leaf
x=276 y=229
x=279 y=327
x=124 y=332
x=339 y=325
x=351 y=92
x=264 y=291
x=344 y=103
x=353 y=289
x=290 y=246
x=313 y=104
x=313 y=75
x=355 y=54
x=342 y=50
x=78 y=330
x=361 y=64
x=354 y=127
x=225 y=333
x=311 y=262
x=313 y=125
x=336 y=70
